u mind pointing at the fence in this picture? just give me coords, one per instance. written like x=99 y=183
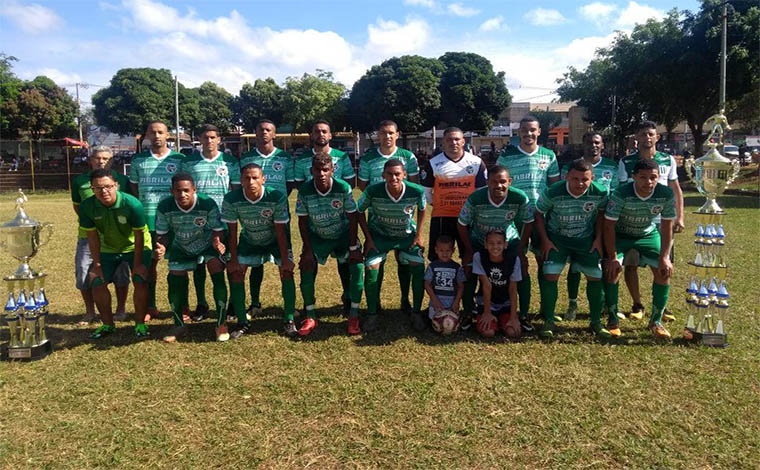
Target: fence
x=11 y=181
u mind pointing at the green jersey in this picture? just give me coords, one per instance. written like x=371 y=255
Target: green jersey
x=190 y=229
x=529 y=171
x=372 y=164
x=342 y=166
x=571 y=216
x=667 y=164
x=115 y=225
x=153 y=177
x=213 y=177
x=256 y=218
x=482 y=215
x=327 y=212
x=636 y=215
x=81 y=190
x=605 y=173
x=392 y=218
x=277 y=167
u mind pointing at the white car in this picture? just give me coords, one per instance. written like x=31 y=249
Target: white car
x=731 y=151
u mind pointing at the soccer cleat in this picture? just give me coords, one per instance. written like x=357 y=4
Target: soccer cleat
x=621 y=315
x=186 y=314
x=87 y=319
x=659 y=331
x=371 y=323
x=152 y=313
x=614 y=329
x=253 y=311
x=526 y=325
x=547 y=332
x=141 y=330
x=557 y=318
x=465 y=320
x=600 y=331
x=243 y=329
x=668 y=316
x=200 y=313
x=222 y=334
x=418 y=322
x=572 y=310
x=307 y=326
x=175 y=333
x=353 y=326
x=637 y=312
x=103 y=330
x=289 y=329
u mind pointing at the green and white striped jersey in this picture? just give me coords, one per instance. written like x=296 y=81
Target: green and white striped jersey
x=153 y=176
x=213 y=177
x=636 y=215
x=482 y=215
x=605 y=173
x=277 y=167
x=190 y=229
x=389 y=217
x=256 y=219
x=529 y=171
x=372 y=163
x=571 y=216
x=666 y=162
x=327 y=213
x=341 y=163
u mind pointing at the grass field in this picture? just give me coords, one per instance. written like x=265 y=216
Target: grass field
x=389 y=400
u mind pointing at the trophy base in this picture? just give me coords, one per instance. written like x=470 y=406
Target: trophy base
x=25 y=353
x=714 y=340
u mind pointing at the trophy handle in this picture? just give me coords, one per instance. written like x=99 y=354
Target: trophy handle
x=688 y=164
x=736 y=164
x=49 y=231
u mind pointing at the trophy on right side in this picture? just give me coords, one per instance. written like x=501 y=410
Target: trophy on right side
x=707 y=294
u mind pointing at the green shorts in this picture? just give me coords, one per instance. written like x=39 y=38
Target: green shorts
x=253 y=255
x=573 y=251
x=383 y=245
x=109 y=263
x=648 y=248
x=323 y=248
x=179 y=260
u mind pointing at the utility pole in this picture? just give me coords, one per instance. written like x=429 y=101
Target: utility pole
x=723 y=58
x=79 y=113
x=176 y=108
x=614 y=139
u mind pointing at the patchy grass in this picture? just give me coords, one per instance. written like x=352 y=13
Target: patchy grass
x=393 y=399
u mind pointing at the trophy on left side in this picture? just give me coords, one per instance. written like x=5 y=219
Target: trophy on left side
x=27 y=306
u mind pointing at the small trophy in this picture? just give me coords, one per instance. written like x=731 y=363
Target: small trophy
x=27 y=305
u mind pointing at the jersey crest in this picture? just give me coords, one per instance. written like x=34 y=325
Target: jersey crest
x=657 y=209
x=277 y=166
x=495 y=274
x=222 y=171
x=543 y=164
x=607 y=174
x=266 y=212
x=470 y=170
x=409 y=209
x=199 y=221
x=589 y=206
x=336 y=203
x=510 y=215
x=171 y=167
x=121 y=219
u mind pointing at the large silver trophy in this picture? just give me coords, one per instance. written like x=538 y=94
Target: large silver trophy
x=707 y=295
x=27 y=306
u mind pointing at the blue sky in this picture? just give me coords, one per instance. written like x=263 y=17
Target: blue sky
x=233 y=42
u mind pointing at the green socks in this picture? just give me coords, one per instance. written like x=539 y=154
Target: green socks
x=220 y=297
x=404 y=278
x=523 y=294
x=594 y=293
x=548 y=300
x=178 y=293
x=289 y=298
x=356 y=287
x=573 y=285
x=659 y=301
x=372 y=286
x=418 y=286
x=611 y=300
x=307 y=290
x=199 y=281
x=237 y=295
x=254 y=282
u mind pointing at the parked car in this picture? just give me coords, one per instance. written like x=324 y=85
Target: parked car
x=731 y=151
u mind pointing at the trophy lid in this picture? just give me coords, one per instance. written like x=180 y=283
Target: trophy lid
x=21 y=219
x=713 y=156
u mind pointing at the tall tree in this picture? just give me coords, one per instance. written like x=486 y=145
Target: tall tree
x=312 y=97
x=261 y=100
x=10 y=87
x=46 y=109
x=405 y=89
x=214 y=105
x=472 y=94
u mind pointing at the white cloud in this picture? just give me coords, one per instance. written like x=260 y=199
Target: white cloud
x=580 y=51
x=635 y=13
x=31 y=18
x=544 y=17
x=458 y=9
x=390 y=37
x=598 y=12
x=492 y=24
x=420 y=3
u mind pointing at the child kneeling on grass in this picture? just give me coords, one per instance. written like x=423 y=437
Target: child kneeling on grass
x=498 y=270
x=444 y=279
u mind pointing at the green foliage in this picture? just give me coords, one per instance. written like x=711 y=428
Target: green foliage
x=472 y=94
x=10 y=87
x=312 y=97
x=134 y=98
x=214 y=104
x=405 y=89
x=546 y=120
x=44 y=108
x=261 y=100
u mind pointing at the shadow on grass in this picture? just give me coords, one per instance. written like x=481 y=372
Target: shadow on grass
x=694 y=202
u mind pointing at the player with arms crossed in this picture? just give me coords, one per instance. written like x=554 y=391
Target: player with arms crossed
x=570 y=226
x=192 y=222
x=117 y=232
x=391 y=226
x=262 y=214
x=630 y=224
x=327 y=223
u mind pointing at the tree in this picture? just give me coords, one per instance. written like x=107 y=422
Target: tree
x=472 y=95
x=10 y=87
x=134 y=98
x=261 y=100
x=546 y=121
x=312 y=97
x=190 y=115
x=214 y=104
x=405 y=89
x=44 y=108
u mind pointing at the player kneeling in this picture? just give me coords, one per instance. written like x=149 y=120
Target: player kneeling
x=498 y=270
x=262 y=213
x=444 y=283
x=192 y=222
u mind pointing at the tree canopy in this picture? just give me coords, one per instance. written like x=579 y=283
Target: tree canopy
x=310 y=98
x=261 y=100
